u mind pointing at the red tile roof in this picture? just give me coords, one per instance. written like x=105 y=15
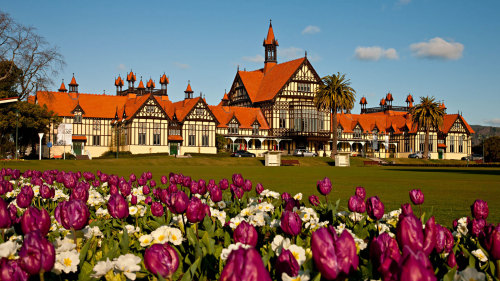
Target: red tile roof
x=131 y=77
x=150 y=83
x=270 y=36
x=79 y=138
x=175 y=138
x=63 y=87
x=382 y=102
x=188 y=89
x=449 y=120
x=141 y=85
x=164 y=79
x=118 y=81
x=409 y=98
x=389 y=97
x=245 y=115
x=363 y=101
x=441 y=145
x=73 y=82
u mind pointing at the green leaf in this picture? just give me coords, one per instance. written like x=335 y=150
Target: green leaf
x=124 y=242
x=85 y=270
x=189 y=274
x=191 y=236
x=84 y=250
x=450 y=276
x=318 y=277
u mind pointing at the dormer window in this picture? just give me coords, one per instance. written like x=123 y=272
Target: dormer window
x=150 y=108
x=255 y=129
x=199 y=111
x=303 y=87
x=233 y=128
x=357 y=133
x=339 y=132
x=78 y=118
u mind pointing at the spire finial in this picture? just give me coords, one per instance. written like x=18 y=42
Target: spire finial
x=189 y=81
x=306 y=53
x=270 y=22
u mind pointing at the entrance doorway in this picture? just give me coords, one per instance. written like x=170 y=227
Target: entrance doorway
x=173 y=148
x=77 y=147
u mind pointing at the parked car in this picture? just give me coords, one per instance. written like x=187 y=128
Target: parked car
x=242 y=153
x=417 y=154
x=473 y=157
x=304 y=153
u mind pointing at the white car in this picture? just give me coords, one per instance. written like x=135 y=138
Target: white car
x=304 y=153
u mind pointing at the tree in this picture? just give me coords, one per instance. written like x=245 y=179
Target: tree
x=335 y=94
x=492 y=149
x=427 y=115
x=22 y=49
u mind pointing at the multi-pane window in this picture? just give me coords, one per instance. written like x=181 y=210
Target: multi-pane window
x=96 y=140
x=142 y=133
x=406 y=141
x=305 y=119
x=282 y=117
x=96 y=125
x=199 y=111
x=78 y=117
x=204 y=136
x=461 y=144
x=255 y=129
x=357 y=132
x=303 y=87
x=156 y=134
x=339 y=133
x=191 y=135
x=421 y=142
x=150 y=108
x=233 y=128
x=452 y=143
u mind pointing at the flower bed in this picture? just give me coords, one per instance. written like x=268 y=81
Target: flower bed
x=59 y=225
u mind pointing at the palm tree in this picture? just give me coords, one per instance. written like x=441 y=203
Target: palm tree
x=427 y=115
x=335 y=94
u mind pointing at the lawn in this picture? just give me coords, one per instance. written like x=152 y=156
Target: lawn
x=448 y=191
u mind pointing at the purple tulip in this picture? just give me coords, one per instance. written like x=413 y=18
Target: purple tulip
x=476 y=227
x=194 y=187
x=80 y=193
x=259 y=188
x=164 y=180
x=113 y=189
x=125 y=189
x=47 y=192
x=152 y=183
x=196 y=210
x=246 y=234
x=13 y=213
x=492 y=241
x=216 y=194
x=133 y=200
x=178 y=202
x=247 y=186
x=34 y=219
x=375 y=208
x=430 y=236
x=244 y=264
x=291 y=223
x=223 y=184
x=238 y=180
x=356 y=204
x=314 y=200
x=238 y=192
x=324 y=186
x=409 y=232
x=142 y=181
x=69 y=181
x=334 y=256
x=202 y=186
x=451 y=261
x=361 y=192
x=479 y=209
x=406 y=209
x=416 y=196
x=186 y=181
x=132 y=177
x=157 y=209
x=11 y=271
x=384 y=251
x=145 y=190
x=25 y=196
x=416 y=267
x=287 y=263
x=285 y=196
x=291 y=203
x=74 y=214
x=37 y=254
x=148 y=200
x=161 y=259
x=118 y=206
x=5 y=221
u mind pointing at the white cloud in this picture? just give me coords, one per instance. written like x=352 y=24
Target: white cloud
x=290 y=53
x=437 y=48
x=311 y=29
x=121 y=67
x=256 y=58
x=181 y=65
x=375 y=53
x=493 y=121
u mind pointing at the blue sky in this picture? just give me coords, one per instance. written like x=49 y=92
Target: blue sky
x=446 y=49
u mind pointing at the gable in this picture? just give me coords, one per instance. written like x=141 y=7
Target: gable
x=238 y=92
x=200 y=112
x=151 y=109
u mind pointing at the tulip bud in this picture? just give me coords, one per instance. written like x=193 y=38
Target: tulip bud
x=25 y=196
x=118 y=206
x=69 y=181
x=430 y=236
x=451 y=261
x=247 y=186
x=186 y=181
x=291 y=203
x=145 y=190
x=238 y=180
x=216 y=194
x=245 y=233
x=238 y=192
x=125 y=189
x=132 y=177
x=178 y=202
x=476 y=226
x=196 y=210
x=34 y=219
x=409 y=232
x=384 y=252
x=161 y=259
x=285 y=196
x=416 y=267
x=406 y=209
x=223 y=184
x=314 y=200
x=194 y=188
x=10 y=270
x=157 y=209
x=259 y=188
x=324 y=186
x=416 y=196
x=46 y=192
x=244 y=264
x=479 y=209
x=287 y=263
x=37 y=254
x=5 y=220
x=113 y=189
x=133 y=200
x=164 y=180
x=334 y=256
x=74 y=214
x=148 y=200
x=375 y=208
x=291 y=223
x=356 y=204
x=361 y=192
x=80 y=193
x=152 y=183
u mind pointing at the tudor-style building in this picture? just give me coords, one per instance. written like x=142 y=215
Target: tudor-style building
x=266 y=109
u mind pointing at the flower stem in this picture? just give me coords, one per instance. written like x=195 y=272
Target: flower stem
x=41 y=276
x=498 y=269
x=74 y=239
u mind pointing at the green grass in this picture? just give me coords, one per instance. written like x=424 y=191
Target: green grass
x=448 y=191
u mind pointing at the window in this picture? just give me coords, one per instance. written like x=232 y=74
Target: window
x=255 y=129
x=233 y=128
x=191 y=135
x=339 y=133
x=357 y=133
x=78 y=117
x=406 y=141
x=156 y=134
x=96 y=140
x=150 y=108
x=421 y=142
x=142 y=133
x=199 y=111
x=461 y=144
x=258 y=144
x=452 y=143
x=303 y=87
x=204 y=136
x=282 y=117
x=96 y=125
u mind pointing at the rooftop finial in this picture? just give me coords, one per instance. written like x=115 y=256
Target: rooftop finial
x=306 y=54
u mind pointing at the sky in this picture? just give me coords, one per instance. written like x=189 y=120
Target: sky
x=446 y=49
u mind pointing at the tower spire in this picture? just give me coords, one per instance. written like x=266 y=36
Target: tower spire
x=270 y=44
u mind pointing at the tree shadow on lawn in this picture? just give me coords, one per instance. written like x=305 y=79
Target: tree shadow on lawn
x=471 y=171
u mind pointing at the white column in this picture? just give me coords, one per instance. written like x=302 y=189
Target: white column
x=40 y=146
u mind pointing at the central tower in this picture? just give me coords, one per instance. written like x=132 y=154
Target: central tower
x=270 y=44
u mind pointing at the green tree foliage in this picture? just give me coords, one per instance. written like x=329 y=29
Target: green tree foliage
x=220 y=141
x=492 y=149
x=427 y=115
x=335 y=94
x=9 y=84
